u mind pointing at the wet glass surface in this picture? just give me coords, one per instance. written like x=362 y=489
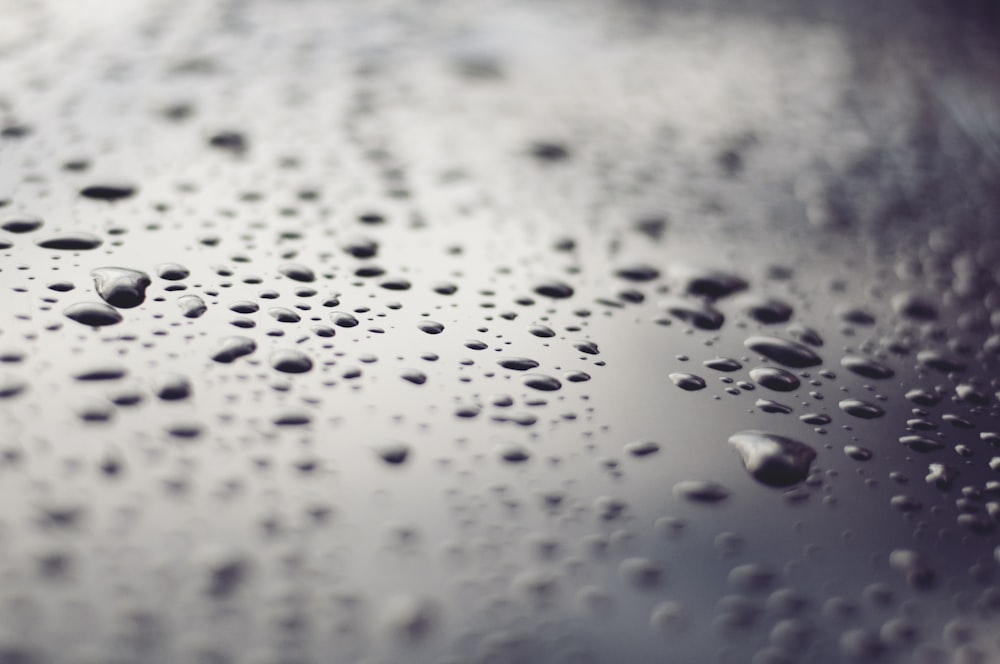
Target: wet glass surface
x=453 y=331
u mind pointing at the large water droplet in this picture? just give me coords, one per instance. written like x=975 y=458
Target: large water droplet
x=291 y=361
x=862 y=409
x=771 y=459
x=77 y=241
x=789 y=353
x=866 y=367
x=95 y=314
x=121 y=287
x=233 y=348
x=775 y=379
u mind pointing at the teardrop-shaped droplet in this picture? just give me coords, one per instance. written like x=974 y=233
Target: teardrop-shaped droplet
x=233 y=348
x=192 y=306
x=771 y=459
x=121 y=287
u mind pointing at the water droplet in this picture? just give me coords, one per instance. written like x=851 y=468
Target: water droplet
x=11 y=386
x=771 y=459
x=769 y=406
x=642 y=573
x=688 y=382
x=554 y=289
x=109 y=192
x=95 y=314
x=933 y=359
x=414 y=376
x=543 y=331
x=291 y=361
x=430 y=327
x=514 y=453
x=775 y=379
x=77 y=241
x=713 y=284
x=172 y=272
x=517 y=363
x=192 y=306
x=921 y=444
x=284 y=315
x=858 y=453
x=173 y=387
x=638 y=273
x=861 y=409
x=725 y=364
x=393 y=454
x=914 y=306
x=102 y=372
x=121 y=287
x=233 y=348
x=789 y=353
x=297 y=272
x=766 y=310
x=699 y=314
x=21 y=224
x=866 y=367
x=641 y=448
x=343 y=319
x=701 y=491
x=542 y=382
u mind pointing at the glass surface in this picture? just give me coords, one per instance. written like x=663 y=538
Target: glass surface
x=454 y=331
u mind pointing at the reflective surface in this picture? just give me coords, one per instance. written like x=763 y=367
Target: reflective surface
x=449 y=332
